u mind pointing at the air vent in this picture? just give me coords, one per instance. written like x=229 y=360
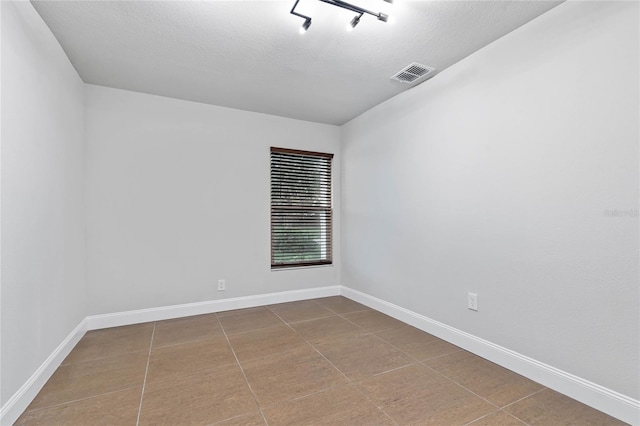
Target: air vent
x=412 y=72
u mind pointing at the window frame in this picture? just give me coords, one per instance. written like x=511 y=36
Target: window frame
x=280 y=209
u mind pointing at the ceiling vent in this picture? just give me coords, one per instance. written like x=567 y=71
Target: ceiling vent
x=412 y=72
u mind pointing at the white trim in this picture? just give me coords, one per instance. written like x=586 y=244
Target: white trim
x=16 y=405
x=95 y=322
x=606 y=400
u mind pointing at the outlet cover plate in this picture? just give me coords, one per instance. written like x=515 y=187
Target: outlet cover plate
x=472 y=301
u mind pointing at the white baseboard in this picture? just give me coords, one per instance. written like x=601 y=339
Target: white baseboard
x=606 y=400
x=16 y=405
x=95 y=322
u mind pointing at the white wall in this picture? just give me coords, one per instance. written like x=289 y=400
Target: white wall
x=43 y=265
x=495 y=177
x=178 y=197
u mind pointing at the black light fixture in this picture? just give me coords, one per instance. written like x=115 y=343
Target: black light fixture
x=344 y=5
x=307 y=20
x=354 y=22
x=305 y=26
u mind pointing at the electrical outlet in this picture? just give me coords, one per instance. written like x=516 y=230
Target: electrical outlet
x=472 y=301
x=221 y=285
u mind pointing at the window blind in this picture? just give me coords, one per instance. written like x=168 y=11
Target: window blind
x=301 y=208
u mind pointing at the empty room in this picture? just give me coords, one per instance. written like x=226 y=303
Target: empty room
x=319 y=212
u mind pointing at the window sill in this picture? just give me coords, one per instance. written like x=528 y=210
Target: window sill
x=288 y=268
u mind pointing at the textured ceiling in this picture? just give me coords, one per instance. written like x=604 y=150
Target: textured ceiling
x=249 y=54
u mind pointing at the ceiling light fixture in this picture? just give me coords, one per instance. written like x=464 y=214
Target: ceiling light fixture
x=344 y=5
x=305 y=26
x=307 y=20
x=354 y=22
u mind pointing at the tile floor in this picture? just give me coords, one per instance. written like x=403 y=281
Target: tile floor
x=326 y=361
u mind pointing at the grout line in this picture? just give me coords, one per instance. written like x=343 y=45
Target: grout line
x=515 y=417
x=117 y=355
x=364 y=308
x=289 y=325
x=482 y=417
x=146 y=371
x=411 y=356
x=524 y=397
x=496 y=412
x=442 y=356
x=228 y=419
x=460 y=385
x=350 y=382
x=397 y=348
x=315 y=349
x=395 y=369
x=374 y=404
x=250 y=331
x=280 y=305
x=186 y=342
x=331 y=314
x=243 y=373
x=270 y=355
x=193 y=339
x=297 y=398
x=238 y=311
x=100 y=358
x=371 y=331
x=73 y=401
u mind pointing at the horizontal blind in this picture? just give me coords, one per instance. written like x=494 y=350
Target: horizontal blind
x=301 y=203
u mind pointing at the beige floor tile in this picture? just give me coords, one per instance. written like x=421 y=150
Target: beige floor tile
x=116 y=408
x=170 y=362
x=248 y=320
x=240 y=311
x=499 y=418
x=342 y=406
x=340 y=305
x=300 y=311
x=417 y=395
x=417 y=343
x=327 y=329
x=438 y=348
x=551 y=408
x=268 y=341
x=80 y=380
x=110 y=342
x=290 y=375
x=363 y=356
x=202 y=398
x=410 y=340
x=253 y=419
x=497 y=384
x=188 y=329
x=374 y=321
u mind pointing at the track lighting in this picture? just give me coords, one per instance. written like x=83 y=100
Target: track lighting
x=305 y=26
x=344 y=5
x=354 y=22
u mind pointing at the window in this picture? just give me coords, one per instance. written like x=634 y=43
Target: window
x=301 y=216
